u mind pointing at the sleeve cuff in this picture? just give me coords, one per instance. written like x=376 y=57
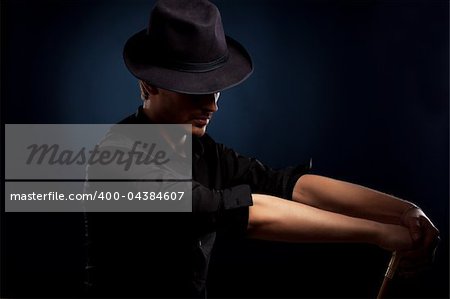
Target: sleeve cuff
x=237 y=197
x=297 y=172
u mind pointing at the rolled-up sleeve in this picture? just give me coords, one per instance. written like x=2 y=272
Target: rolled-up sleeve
x=259 y=177
x=225 y=209
x=240 y=177
x=210 y=200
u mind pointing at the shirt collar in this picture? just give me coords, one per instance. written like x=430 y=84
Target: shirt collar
x=142 y=118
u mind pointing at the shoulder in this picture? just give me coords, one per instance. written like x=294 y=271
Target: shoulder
x=208 y=143
x=208 y=146
x=130 y=119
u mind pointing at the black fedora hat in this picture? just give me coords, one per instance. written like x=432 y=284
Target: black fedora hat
x=184 y=49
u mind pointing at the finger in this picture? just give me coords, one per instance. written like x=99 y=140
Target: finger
x=413 y=254
x=431 y=235
x=428 y=241
x=418 y=254
x=414 y=226
x=410 y=274
x=416 y=261
x=406 y=269
x=414 y=264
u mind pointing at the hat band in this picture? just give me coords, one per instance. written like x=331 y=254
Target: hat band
x=195 y=67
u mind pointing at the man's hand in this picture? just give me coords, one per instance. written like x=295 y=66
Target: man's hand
x=425 y=237
x=396 y=214
x=392 y=237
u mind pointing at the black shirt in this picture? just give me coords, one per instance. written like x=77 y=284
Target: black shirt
x=167 y=254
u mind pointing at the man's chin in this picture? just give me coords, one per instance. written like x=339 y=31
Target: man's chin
x=198 y=132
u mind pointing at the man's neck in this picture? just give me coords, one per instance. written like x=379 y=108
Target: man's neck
x=176 y=139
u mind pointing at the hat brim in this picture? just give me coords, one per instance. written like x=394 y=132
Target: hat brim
x=235 y=70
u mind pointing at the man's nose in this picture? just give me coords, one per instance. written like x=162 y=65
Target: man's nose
x=209 y=102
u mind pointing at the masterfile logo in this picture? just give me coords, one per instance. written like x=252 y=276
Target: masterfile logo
x=98 y=168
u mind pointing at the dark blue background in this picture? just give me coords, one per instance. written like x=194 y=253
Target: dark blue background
x=359 y=86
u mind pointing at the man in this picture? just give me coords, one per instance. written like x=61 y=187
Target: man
x=183 y=60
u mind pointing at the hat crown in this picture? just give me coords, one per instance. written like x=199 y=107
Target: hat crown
x=187 y=31
x=184 y=49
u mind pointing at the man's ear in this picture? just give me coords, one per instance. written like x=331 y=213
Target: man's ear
x=151 y=89
x=147 y=90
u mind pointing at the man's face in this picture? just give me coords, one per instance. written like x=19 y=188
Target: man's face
x=177 y=108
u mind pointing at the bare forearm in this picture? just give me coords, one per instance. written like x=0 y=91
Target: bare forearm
x=349 y=199
x=276 y=219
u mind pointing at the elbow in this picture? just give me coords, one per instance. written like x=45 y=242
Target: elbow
x=304 y=189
